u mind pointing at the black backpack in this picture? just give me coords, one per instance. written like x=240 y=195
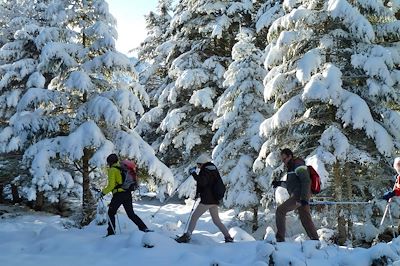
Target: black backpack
x=219 y=188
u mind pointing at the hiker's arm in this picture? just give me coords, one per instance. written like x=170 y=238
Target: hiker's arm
x=201 y=178
x=305 y=181
x=112 y=176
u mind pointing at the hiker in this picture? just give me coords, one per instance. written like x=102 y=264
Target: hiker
x=205 y=179
x=120 y=196
x=396 y=189
x=298 y=184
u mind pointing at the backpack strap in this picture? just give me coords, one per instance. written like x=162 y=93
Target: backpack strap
x=118 y=185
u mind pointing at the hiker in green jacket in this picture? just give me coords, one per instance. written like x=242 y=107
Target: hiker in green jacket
x=120 y=197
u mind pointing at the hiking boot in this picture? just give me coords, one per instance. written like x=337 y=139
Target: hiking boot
x=228 y=239
x=185 y=238
x=146 y=230
x=109 y=234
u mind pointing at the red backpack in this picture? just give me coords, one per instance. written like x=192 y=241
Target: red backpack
x=128 y=174
x=315 y=180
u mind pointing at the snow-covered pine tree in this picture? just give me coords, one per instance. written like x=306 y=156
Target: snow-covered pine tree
x=153 y=66
x=203 y=34
x=151 y=55
x=333 y=77
x=90 y=105
x=29 y=25
x=240 y=111
x=266 y=13
x=11 y=17
x=20 y=52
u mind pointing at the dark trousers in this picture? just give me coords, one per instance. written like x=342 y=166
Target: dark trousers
x=305 y=218
x=125 y=199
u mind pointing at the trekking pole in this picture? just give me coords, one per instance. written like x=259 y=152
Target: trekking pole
x=382 y=220
x=274 y=198
x=104 y=206
x=190 y=216
x=119 y=226
x=387 y=209
x=168 y=199
x=108 y=218
x=391 y=221
x=339 y=202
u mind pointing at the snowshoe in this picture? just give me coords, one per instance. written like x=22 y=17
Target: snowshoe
x=109 y=234
x=228 y=239
x=185 y=238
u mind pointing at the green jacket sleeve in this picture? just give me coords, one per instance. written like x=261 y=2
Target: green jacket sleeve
x=114 y=178
x=305 y=181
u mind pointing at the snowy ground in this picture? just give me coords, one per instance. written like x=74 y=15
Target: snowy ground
x=31 y=238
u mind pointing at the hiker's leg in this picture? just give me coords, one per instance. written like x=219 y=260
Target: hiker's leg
x=127 y=203
x=112 y=210
x=280 y=217
x=217 y=221
x=306 y=221
x=200 y=209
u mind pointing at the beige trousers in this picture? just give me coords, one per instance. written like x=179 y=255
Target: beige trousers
x=213 y=209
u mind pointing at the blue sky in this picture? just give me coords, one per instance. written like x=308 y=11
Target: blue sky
x=130 y=21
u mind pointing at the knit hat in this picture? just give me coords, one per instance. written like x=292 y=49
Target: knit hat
x=203 y=158
x=112 y=159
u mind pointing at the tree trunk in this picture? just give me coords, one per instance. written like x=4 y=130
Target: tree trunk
x=39 y=201
x=349 y=196
x=342 y=236
x=255 y=219
x=341 y=221
x=88 y=204
x=15 y=194
x=259 y=193
x=1 y=193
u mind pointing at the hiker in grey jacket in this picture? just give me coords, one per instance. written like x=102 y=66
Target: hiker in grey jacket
x=205 y=180
x=298 y=184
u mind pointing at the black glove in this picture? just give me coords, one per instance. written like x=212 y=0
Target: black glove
x=192 y=170
x=303 y=202
x=388 y=195
x=276 y=183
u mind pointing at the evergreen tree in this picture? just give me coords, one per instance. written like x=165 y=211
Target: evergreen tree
x=85 y=112
x=12 y=16
x=199 y=51
x=333 y=79
x=267 y=12
x=31 y=25
x=153 y=66
x=240 y=111
x=151 y=54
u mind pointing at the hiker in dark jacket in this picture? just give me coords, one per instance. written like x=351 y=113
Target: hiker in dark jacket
x=298 y=184
x=120 y=197
x=205 y=180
